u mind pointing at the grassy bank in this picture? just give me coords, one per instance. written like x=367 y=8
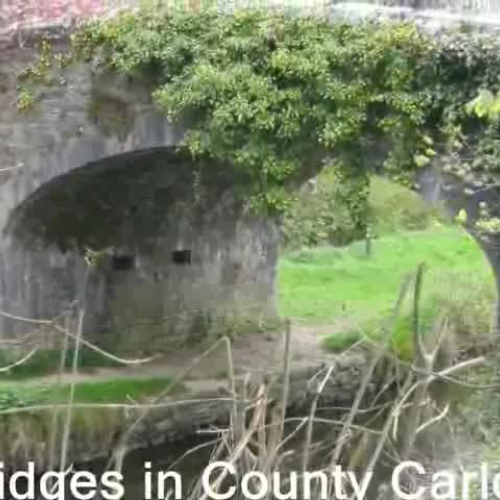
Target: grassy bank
x=323 y=283
x=22 y=394
x=48 y=361
x=319 y=285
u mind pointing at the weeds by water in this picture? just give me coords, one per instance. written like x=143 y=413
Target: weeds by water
x=469 y=308
x=393 y=409
x=255 y=442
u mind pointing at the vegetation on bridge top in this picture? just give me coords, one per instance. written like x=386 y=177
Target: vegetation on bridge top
x=277 y=95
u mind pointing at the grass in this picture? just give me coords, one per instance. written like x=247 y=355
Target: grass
x=45 y=362
x=371 y=330
x=27 y=434
x=319 y=285
x=342 y=340
x=20 y=387
x=325 y=283
x=109 y=391
x=112 y=391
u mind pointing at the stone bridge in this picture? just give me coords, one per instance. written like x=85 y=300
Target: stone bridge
x=94 y=166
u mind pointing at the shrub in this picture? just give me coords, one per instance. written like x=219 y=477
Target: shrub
x=395 y=208
x=323 y=215
x=320 y=215
x=467 y=310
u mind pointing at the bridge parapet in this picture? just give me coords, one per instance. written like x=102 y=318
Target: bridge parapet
x=432 y=21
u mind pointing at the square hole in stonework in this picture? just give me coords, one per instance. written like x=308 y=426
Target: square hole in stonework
x=123 y=262
x=181 y=257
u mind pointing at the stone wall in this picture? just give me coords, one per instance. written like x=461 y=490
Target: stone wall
x=93 y=166
x=454 y=196
x=192 y=409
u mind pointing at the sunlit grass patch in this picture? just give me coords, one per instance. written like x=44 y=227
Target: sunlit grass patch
x=318 y=285
x=468 y=314
x=18 y=395
x=321 y=284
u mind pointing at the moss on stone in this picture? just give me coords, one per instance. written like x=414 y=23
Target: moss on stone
x=113 y=116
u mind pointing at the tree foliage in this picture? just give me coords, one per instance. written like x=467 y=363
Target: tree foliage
x=274 y=96
x=323 y=212
x=333 y=210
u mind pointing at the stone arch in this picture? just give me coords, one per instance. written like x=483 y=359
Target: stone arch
x=435 y=186
x=78 y=121
x=177 y=256
x=86 y=127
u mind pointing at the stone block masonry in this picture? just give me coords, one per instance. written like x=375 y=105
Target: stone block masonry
x=95 y=167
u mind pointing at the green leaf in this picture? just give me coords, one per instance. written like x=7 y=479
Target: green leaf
x=482 y=105
x=421 y=160
x=462 y=216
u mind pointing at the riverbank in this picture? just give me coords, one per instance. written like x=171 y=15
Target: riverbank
x=110 y=398
x=201 y=400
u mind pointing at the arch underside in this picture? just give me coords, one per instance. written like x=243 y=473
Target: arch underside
x=175 y=257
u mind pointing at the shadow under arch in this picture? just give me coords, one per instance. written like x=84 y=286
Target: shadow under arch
x=176 y=255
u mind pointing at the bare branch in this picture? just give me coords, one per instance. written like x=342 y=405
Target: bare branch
x=19 y=362
x=312 y=414
x=433 y=420
x=367 y=377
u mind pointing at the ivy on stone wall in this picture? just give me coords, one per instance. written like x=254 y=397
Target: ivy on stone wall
x=482 y=171
x=269 y=94
x=274 y=96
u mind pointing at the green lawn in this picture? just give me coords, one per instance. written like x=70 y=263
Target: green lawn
x=317 y=285
x=111 y=391
x=47 y=361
